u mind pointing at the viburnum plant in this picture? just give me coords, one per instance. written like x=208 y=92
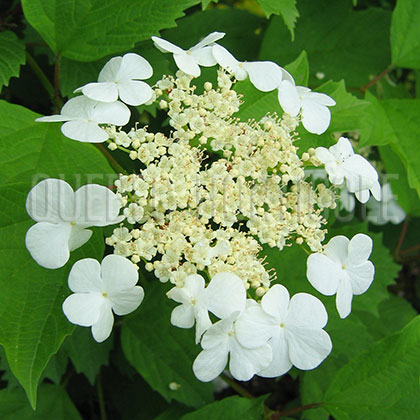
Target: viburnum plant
x=209 y=209
x=208 y=197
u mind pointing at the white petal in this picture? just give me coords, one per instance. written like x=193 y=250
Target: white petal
x=376 y=191
x=53 y=118
x=224 y=58
x=209 y=364
x=276 y=302
x=245 y=363
x=101 y=330
x=344 y=298
x=204 y=56
x=337 y=249
x=289 y=98
x=78 y=107
x=342 y=149
x=217 y=334
x=308 y=348
x=225 y=294
x=195 y=284
x=103 y=92
x=84 y=131
x=361 y=277
x=359 y=249
x=110 y=70
x=254 y=327
x=134 y=66
x=280 y=363
x=287 y=76
x=95 y=205
x=166 y=46
x=203 y=322
x=85 y=276
x=324 y=155
x=187 y=64
x=83 y=308
x=51 y=200
x=118 y=273
x=209 y=39
x=48 y=244
x=135 y=92
x=115 y=113
x=323 y=273
x=320 y=98
x=315 y=118
x=183 y=316
x=126 y=301
x=78 y=237
x=348 y=201
x=306 y=311
x=264 y=75
x=363 y=196
x=395 y=213
x=360 y=174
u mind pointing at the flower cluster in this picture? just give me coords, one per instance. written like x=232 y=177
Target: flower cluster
x=210 y=193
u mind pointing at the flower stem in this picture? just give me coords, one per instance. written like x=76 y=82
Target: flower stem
x=376 y=79
x=115 y=165
x=100 y=397
x=57 y=97
x=40 y=74
x=234 y=385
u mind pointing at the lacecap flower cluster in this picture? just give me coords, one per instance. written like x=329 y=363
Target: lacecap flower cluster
x=209 y=194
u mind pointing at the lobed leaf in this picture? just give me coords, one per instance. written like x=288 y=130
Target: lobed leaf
x=12 y=56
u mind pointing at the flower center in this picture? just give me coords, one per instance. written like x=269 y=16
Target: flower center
x=231 y=333
x=193 y=301
x=281 y=325
x=105 y=294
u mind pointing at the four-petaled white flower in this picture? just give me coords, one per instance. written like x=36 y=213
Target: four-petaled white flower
x=82 y=116
x=264 y=75
x=63 y=216
x=316 y=115
x=220 y=343
x=386 y=210
x=224 y=294
x=121 y=77
x=189 y=61
x=342 y=164
x=99 y=290
x=294 y=328
x=342 y=269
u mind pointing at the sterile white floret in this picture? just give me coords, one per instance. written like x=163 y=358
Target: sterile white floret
x=99 y=290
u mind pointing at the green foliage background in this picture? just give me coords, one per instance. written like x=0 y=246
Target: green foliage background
x=365 y=54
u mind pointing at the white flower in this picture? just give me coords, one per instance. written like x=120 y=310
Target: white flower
x=190 y=61
x=83 y=116
x=63 y=216
x=342 y=269
x=293 y=326
x=342 y=164
x=224 y=295
x=99 y=290
x=120 y=77
x=264 y=75
x=218 y=343
x=347 y=199
x=316 y=116
x=387 y=210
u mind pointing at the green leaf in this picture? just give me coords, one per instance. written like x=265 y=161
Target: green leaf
x=397 y=176
x=396 y=121
x=405 y=34
x=32 y=325
x=286 y=8
x=86 y=354
x=231 y=408
x=205 y=3
x=299 y=69
x=382 y=382
x=54 y=403
x=162 y=353
x=328 y=33
x=12 y=56
x=86 y=30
